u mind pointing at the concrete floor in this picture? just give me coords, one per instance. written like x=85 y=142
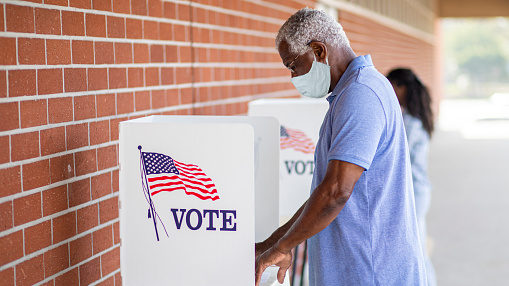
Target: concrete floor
x=468 y=221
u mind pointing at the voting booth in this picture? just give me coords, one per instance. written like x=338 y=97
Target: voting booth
x=196 y=192
x=300 y=120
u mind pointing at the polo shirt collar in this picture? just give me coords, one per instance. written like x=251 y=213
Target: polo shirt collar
x=357 y=63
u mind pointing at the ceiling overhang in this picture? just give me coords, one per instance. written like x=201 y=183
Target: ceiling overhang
x=473 y=8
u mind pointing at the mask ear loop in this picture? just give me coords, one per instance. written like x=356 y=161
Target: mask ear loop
x=326 y=58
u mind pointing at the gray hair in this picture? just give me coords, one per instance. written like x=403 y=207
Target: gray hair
x=308 y=25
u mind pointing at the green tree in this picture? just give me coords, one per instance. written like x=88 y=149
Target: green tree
x=478 y=48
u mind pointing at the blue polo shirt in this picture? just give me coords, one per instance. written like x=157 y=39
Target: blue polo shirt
x=374 y=239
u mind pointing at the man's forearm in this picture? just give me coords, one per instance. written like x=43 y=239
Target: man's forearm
x=319 y=211
x=324 y=204
x=281 y=231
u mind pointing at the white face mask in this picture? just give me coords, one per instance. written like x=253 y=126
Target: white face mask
x=316 y=82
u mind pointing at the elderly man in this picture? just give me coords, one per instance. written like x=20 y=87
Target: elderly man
x=360 y=218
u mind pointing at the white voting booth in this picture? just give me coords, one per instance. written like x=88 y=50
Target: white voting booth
x=196 y=192
x=300 y=121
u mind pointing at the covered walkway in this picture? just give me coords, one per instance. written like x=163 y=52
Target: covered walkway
x=468 y=220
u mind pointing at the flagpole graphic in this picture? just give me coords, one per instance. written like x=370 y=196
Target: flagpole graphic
x=148 y=197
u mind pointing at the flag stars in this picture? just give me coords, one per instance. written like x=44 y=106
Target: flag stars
x=158 y=163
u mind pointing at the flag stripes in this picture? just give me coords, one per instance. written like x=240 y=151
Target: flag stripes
x=297 y=140
x=165 y=174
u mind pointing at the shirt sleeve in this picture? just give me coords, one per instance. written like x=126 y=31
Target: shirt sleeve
x=358 y=125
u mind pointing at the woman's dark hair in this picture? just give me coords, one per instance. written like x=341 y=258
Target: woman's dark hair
x=418 y=100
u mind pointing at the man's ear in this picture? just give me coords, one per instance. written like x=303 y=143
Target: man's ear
x=320 y=50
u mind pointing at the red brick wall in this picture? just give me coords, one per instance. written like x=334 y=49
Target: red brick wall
x=72 y=70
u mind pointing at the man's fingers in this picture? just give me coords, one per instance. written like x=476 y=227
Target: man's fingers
x=286 y=263
x=257 y=278
x=258 y=273
x=274 y=257
x=281 y=274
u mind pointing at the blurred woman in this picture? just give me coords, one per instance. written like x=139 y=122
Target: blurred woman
x=415 y=103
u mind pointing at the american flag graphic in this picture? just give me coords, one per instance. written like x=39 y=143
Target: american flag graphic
x=164 y=174
x=295 y=139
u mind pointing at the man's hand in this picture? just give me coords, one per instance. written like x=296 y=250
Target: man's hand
x=273 y=256
x=260 y=248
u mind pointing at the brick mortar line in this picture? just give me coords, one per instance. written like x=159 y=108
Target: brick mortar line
x=4 y=20
x=259 y=18
x=7 y=91
x=17 y=41
x=85 y=17
x=252 y=32
x=260 y=49
x=78 y=265
x=290 y=92
x=68 y=258
x=115 y=142
x=92 y=120
x=304 y=2
x=24 y=242
x=63 y=124
x=116 y=105
x=50 y=186
x=250 y=81
x=136 y=113
x=14 y=270
x=10 y=150
x=242 y=14
x=79 y=276
x=94 y=38
x=140 y=17
x=246 y=65
x=51 y=221
x=54 y=155
x=70 y=239
x=103 y=278
x=273 y=6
